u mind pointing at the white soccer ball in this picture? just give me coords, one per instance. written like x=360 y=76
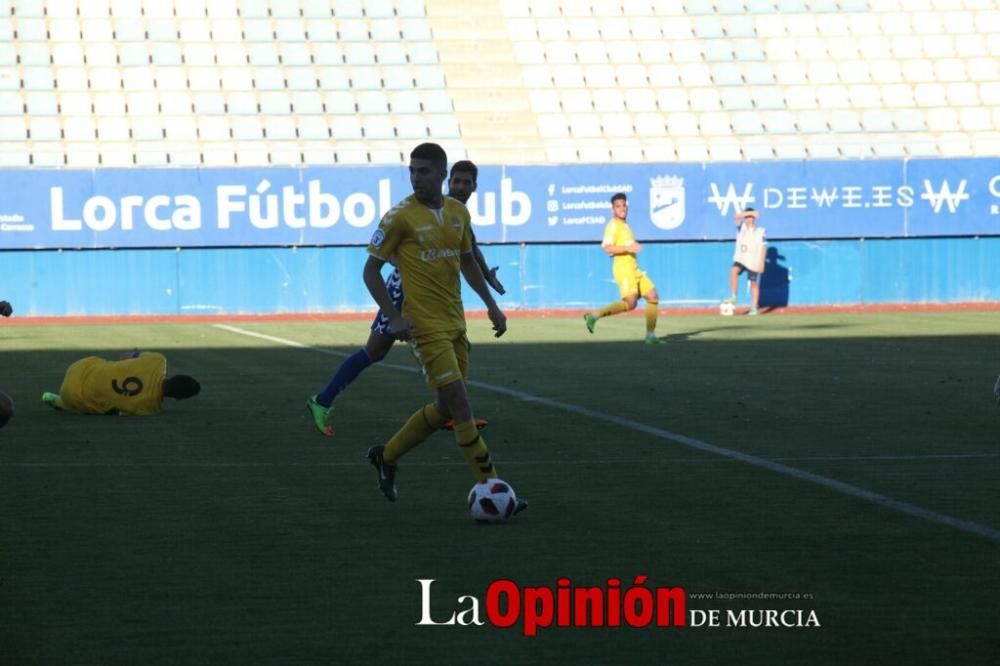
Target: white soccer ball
x=726 y=309
x=492 y=501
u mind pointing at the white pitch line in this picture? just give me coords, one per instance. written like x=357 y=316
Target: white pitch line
x=848 y=489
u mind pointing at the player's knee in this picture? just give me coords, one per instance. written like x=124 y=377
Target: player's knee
x=455 y=401
x=631 y=301
x=378 y=348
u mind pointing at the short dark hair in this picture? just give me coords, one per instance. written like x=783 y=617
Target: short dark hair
x=619 y=195
x=181 y=387
x=431 y=152
x=465 y=166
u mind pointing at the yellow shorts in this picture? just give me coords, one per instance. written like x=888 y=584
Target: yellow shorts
x=633 y=281
x=444 y=357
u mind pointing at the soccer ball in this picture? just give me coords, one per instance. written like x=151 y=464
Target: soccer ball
x=492 y=501
x=726 y=309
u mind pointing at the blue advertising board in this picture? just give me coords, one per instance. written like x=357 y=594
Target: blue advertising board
x=315 y=206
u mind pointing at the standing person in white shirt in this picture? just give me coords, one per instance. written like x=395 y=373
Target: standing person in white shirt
x=748 y=257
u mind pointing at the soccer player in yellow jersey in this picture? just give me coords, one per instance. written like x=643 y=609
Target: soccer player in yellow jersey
x=461 y=185
x=632 y=283
x=136 y=385
x=430 y=237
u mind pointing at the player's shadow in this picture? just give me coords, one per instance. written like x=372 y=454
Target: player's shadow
x=775 y=282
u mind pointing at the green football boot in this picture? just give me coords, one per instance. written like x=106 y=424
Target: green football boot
x=320 y=416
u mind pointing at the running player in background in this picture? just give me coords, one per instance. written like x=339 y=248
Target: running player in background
x=619 y=243
x=429 y=235
x=136 y=384
x=461 y=185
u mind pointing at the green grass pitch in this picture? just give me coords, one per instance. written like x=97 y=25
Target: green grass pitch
x=227 y=531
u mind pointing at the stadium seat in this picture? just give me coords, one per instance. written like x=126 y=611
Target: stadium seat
x=725 y=74
x=404 y=102
x=705 y=99
x=247 y=128
x=82 y=154
x=757 y=148
x=42 y=103
x=650 y=125
x=792 y=70
x=626 y=151
x=692 y=149
x=398 y=77
x=813 y=122
x=214 y=128
x=638 y=99
x=737 y=99
x=14 y=155
x=443 y=127
x=411 y=127
x=318 y=153
x=724 y=149
x=553 y=125
x=616 y=125
x=313 y=128
x=49 y=128
x=11 y=104
x=681 y=123
x=715 y=123
x=778 y=122
x=877 y=121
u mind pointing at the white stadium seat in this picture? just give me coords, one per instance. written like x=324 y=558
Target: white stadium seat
x=254 y=82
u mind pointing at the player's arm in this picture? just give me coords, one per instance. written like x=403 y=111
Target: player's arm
x=612 y=249
x=615 y=250
x=490 y=274
x=763 y=257
x=474 y=276
x=372 y=275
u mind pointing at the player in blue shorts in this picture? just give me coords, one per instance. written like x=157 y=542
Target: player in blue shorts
x=461 y=185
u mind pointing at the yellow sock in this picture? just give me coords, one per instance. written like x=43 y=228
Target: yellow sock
x=652 y=311
x=612 y=309
x=473 y=447
x=422 y=424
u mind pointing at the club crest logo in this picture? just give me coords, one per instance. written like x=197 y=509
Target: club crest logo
x=378 y=238
x=666 y=201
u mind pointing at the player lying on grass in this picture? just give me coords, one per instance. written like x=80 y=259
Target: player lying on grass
x=136 y=384
x=461 y=185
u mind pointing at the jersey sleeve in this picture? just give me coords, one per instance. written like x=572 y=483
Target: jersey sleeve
x=609 y=234
x=153 y=362
x=387 y=236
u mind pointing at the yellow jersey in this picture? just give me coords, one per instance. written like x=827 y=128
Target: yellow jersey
x=94 y=385
x=617 y=232
x=426 y=245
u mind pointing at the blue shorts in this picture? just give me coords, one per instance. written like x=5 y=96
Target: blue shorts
x=394 y=284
